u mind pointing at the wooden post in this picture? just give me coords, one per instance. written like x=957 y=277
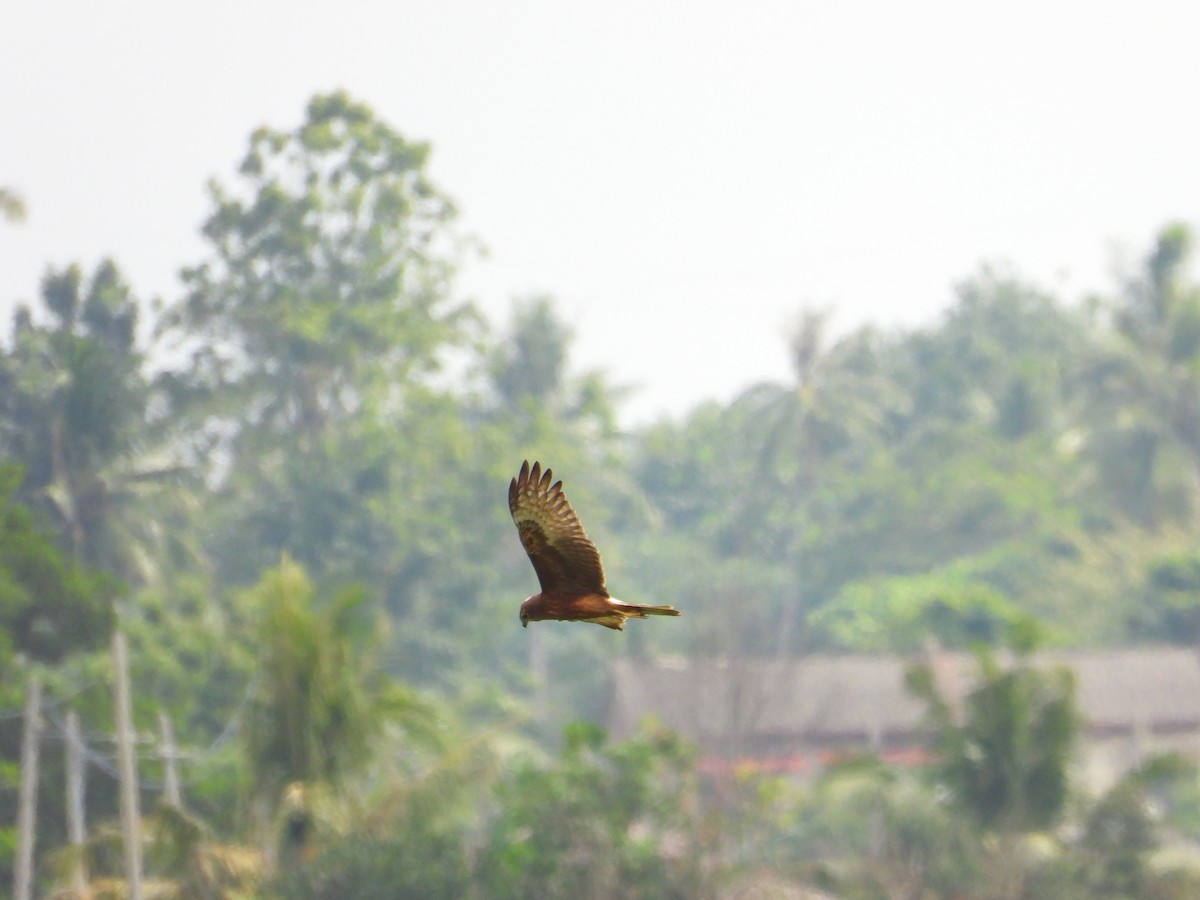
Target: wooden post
x=130 y=816
x=75 y=807
x=171 y=793
x=27 y=803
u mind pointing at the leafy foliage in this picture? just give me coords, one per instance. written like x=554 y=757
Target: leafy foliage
x=421 y=866
x=326 y=290
x=1006 y=766
x=75 y=412
x=1145 y=383
x=904 y=613
x=49 y=607
x=321 y=698
x=605 y=820
x=876 y=832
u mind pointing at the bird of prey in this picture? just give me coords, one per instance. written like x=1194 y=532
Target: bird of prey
x=567 y=563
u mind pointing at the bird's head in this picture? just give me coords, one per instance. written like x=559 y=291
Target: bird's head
x=526 y=615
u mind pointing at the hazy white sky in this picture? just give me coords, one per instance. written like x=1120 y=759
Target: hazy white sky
x=682 y=176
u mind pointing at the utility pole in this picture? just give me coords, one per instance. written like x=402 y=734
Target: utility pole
x=130 y=816
x=75 y=808
x=27 y=804
x=170 y=755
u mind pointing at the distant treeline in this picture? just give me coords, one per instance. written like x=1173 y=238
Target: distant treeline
x=313 y=445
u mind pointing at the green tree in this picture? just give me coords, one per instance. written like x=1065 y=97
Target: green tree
x=1144 y=440
x=1169 y=608
x=314 y=336
x=327 y=288
x=1004 y=357
x=416 y=827
x=897 y=466
x=528 y=366
x=530 y=375
x=752 y=481
x=876 y=832
x=51 y=609
x=903 y=613
x=1113 y=850
x=1005 y=763
x=49 y=606
x=604 y=820
x=74 y=411
x=417 y=865
x=322 y=698
x=974 y=480
x=834 y=415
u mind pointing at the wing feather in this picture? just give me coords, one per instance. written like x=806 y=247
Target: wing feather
x=562 y=556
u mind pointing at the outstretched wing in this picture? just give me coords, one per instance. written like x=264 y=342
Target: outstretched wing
x=562 y=555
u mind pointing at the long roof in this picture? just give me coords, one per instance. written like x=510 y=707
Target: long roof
x=864 y=696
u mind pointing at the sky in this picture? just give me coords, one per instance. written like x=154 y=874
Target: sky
x=683 y=177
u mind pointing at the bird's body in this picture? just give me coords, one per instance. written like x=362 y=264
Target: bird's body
x=566 y=562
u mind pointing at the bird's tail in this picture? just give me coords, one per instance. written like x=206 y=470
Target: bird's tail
x=633 y=611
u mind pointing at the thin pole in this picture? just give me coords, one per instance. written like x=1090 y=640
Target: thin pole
x=130 y=816
x=27 y=809
x=75 y=805
x=171 y=793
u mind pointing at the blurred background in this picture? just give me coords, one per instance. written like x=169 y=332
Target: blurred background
x=869 y=338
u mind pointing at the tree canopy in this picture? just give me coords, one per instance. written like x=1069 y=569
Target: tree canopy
x=49 y=607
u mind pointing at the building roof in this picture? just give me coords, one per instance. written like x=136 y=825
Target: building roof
x=730 y=704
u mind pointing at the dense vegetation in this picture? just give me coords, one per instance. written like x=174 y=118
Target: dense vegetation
x=288 y=490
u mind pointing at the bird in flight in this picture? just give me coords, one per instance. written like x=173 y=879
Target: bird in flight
x=567 y=563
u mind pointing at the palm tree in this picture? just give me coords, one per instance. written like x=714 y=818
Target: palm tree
x=534 y=389
x=1145 y=389
x=74 y=411
x=835 y=411
x=1005 y=761
x=321 y=699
